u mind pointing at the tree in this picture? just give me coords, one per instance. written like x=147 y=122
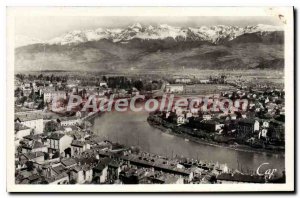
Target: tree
x=40 y=76
x=39 y=170
x=46 y=156
x=18 y=91
x=19 y=149
x=32 y=95
x=41 y=105
x=213 y=179
x=72 y=181
x=226 y=129
x=52 y=78
x=21 y=100
x=51 y=126
x=29 y=165
x=138 y=84
x=56 y=155
x=32 y=131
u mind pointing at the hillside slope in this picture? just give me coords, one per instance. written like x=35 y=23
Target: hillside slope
x=261 y=50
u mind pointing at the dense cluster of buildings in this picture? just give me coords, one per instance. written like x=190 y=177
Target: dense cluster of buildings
x=60 y=149
x=52 y=148
x=257 y=120
x=73 y=154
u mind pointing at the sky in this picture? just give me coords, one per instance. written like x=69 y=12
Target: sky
x=45 y=27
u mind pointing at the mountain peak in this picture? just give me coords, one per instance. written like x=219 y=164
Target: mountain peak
x=263 y=28
x=213 y=34
x=136 y=25
x=165 y=26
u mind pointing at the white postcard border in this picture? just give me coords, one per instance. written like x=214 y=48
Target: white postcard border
x=287 y=12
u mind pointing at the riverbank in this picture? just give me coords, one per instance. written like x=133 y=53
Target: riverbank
x=188 y=137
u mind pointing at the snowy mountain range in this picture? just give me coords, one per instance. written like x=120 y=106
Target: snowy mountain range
x=156 y=47
x=213 y=34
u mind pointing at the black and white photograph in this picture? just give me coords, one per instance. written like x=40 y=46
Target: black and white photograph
x=156 y=99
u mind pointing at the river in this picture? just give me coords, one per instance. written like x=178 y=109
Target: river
x=132 y=129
